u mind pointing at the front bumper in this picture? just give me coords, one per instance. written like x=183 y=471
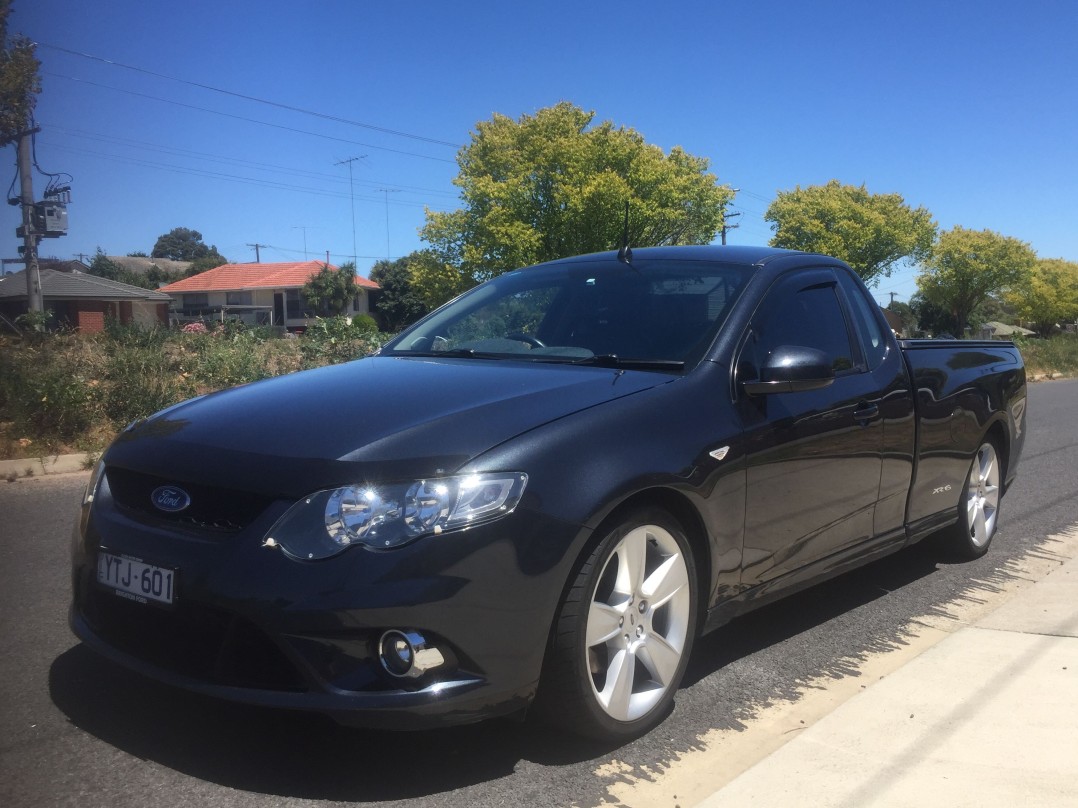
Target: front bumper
x=250 y=624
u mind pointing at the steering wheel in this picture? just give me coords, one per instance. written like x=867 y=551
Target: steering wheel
x=528 y=339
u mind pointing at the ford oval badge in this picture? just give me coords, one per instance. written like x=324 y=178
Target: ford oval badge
x=170 y=498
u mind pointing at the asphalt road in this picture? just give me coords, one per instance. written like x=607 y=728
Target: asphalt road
x=77 y=730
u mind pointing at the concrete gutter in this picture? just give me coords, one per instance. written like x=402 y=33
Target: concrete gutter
x=40 y=466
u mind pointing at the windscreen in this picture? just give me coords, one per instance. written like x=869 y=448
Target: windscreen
x=654 y=311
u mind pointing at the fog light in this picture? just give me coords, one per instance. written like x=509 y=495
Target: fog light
x=405 y=654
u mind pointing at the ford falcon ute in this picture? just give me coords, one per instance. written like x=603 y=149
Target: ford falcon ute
x=536 y=497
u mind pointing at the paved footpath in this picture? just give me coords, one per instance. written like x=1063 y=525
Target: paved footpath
x=987 y=717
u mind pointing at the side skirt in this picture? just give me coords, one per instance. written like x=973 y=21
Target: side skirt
x=815 y=573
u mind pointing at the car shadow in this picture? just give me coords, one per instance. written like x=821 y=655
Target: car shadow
x=299 y=755
x=798 y=613
x=286 y=753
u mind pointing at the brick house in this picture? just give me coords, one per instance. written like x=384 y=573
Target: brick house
x=82 y=301
x=257 y=294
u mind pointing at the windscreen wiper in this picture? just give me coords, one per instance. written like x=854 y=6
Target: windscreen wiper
x=455 y=353
x=615 y=361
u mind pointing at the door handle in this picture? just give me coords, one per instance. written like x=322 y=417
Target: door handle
x=865 y=412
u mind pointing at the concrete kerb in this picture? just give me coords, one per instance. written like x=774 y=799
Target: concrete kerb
x=11 y=470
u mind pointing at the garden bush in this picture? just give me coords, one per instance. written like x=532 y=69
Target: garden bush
x=65 y=391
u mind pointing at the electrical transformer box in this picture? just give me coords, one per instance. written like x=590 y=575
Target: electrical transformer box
x=50 y=219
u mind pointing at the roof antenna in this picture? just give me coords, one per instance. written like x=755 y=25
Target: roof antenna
x=625 y=253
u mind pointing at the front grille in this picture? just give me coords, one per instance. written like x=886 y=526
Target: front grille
x=193 y=640
x=210 y=509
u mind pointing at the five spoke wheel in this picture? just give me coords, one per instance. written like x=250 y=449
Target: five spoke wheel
x=624 y=631
x=978 y=510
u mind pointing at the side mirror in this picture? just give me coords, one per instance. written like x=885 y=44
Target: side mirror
x=792 y=369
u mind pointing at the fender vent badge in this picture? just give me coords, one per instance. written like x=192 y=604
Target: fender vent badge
x=720 y=454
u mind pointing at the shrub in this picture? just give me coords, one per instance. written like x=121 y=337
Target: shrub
x=47 y=392
x=364 y=324
x=76 y=390
x=334 y=339
x=1054 y=356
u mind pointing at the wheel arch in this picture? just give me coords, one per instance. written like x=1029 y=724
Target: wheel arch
x=681 y=509
x=997 y=434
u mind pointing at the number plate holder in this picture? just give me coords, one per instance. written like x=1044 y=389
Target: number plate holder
x=134 y=579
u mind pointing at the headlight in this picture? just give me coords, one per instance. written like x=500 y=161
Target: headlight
x=389 y=515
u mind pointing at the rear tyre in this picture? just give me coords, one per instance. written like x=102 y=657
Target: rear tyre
x=978 y=510
x=624 y=632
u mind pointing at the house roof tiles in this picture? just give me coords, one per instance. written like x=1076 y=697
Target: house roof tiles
x=57 y=285
x=238 y=277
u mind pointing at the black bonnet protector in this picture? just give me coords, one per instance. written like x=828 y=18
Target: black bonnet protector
x=381 y=418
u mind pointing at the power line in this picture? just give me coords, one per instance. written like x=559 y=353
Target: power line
x=262 y=183
x=279 y=105
x=243 y=118
x=352 y=196
x=225 y=159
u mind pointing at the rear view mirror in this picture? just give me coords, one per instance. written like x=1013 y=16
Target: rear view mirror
x=792 y=369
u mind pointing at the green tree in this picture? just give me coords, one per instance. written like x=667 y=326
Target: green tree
x=1049 y=297
x=551 y=185
x=209 y=261
x=103 y=267
x=967 y=266
x=399 y=303
x=931 y=319
x=184 y=244
x=19 y=81
x=331 y=290
x=870 y=232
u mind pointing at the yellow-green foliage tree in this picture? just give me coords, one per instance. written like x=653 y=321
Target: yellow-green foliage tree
x=870 y=232
x=966 y=266
x=19 y=81
x=551 y=185
x=1049 y=297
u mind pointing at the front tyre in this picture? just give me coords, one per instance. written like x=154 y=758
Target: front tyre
x=978 y=510
x=624 y=632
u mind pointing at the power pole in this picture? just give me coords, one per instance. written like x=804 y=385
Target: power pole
x=387 y=192
x=726 y=216
x=352 y=196
x=303 y=227
x=258 y=257
x=35 y=301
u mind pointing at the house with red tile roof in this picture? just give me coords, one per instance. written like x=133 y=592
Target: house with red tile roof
x=257 y=294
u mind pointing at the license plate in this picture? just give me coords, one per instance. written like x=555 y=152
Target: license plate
x=136 y=580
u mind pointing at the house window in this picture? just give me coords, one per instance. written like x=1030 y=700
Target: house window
x=199 y=300
x=238 y=298
x=296 y=306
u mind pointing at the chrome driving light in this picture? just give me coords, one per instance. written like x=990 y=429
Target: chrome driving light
x=388 y=515
x=407 y=654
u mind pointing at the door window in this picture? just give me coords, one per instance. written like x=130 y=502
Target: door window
x=809 y=317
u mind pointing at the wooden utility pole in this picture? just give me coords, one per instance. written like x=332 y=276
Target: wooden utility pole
x=258 y=257
x=34 y=300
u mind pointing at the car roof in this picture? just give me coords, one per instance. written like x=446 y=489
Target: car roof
x=706 y=252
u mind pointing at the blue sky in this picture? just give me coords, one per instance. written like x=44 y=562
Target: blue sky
x=969 y=108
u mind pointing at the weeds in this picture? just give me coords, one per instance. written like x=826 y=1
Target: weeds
x=1050 y=358
x=64 y=391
